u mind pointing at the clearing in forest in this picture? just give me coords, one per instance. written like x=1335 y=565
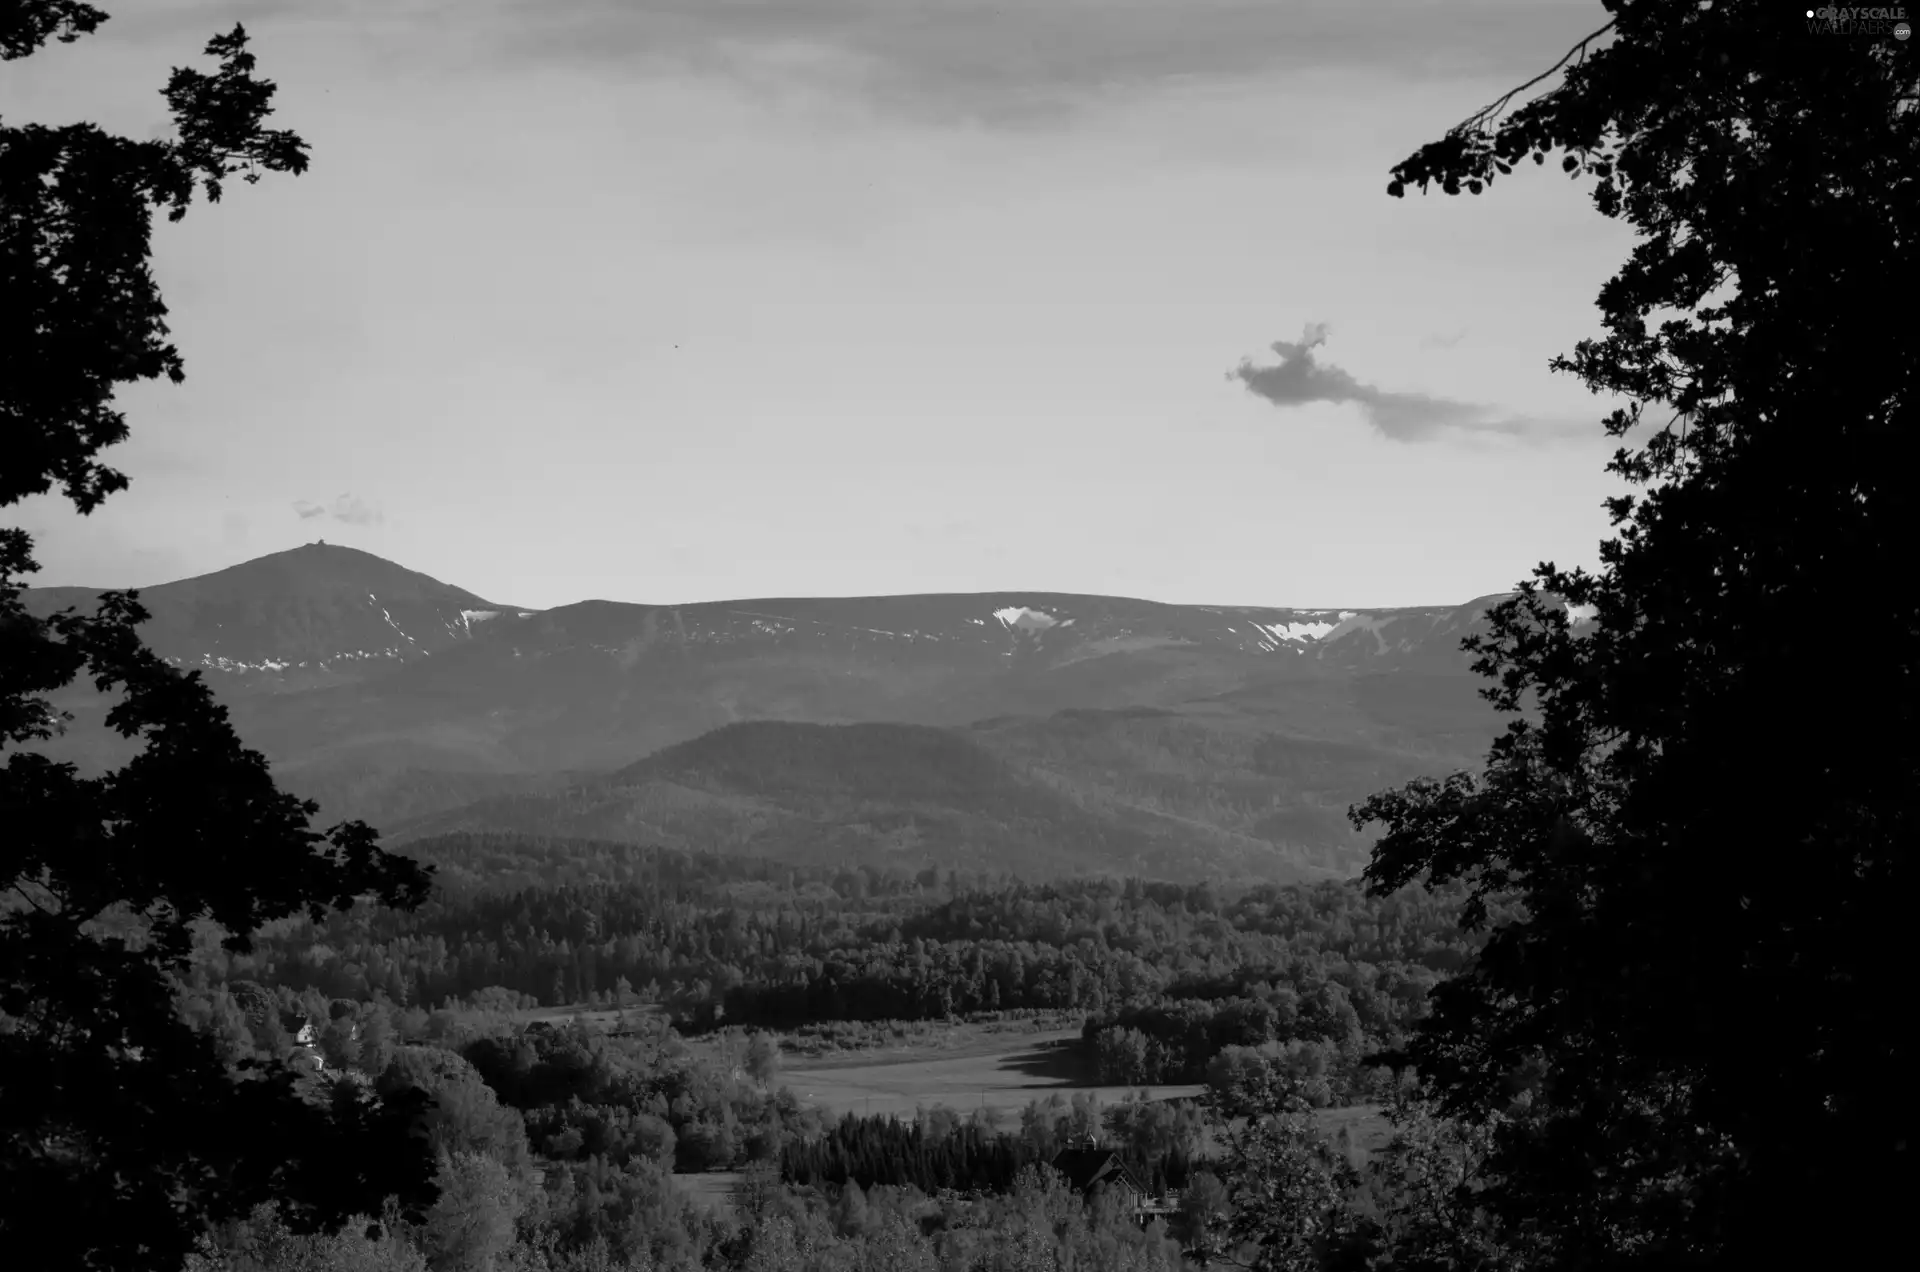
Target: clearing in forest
x=1000 y=1073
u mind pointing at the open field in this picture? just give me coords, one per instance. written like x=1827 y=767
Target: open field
x=1000 y=1066
x=603 y=1017
x=1001 y=1073
x=712 y=1189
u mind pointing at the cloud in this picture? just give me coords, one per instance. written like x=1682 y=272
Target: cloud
x=1298 y=379
x=973 y=61
x=351 y=509
x=1441 y=340
x=991 y=60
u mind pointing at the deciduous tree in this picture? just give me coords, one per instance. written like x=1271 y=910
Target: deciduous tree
x=122 y=1129
x=1706 y=804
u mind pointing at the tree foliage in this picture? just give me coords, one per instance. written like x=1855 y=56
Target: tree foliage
x=111 y=1104
x=1706 y=822
x=1287 y=1190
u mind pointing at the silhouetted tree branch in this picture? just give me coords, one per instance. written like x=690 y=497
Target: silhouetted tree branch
x=1703 y=818
x=123 y=1132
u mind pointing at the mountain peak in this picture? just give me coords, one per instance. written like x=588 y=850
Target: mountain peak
x=318 y=614
x=315 y=569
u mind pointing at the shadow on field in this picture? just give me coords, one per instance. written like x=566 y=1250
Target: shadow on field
x=1060 y=1063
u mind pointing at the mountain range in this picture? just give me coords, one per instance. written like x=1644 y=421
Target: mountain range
x=1039 y=732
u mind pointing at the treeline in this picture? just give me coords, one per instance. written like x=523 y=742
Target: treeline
x=938 y=1151
x=968 y=1157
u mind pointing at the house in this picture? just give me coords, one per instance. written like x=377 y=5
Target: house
x=1087 y=1165
x=301 y=1030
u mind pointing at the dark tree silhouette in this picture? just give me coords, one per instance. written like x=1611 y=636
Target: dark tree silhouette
x=122 y=1131
x=1706 y=804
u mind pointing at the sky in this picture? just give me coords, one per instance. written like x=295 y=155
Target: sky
x=683 y=300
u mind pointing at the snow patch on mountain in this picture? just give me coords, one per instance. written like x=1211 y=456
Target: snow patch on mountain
x=1352 y=621
x=219 y=663
x=236 y=666
x=1026 y=619
x=470 y=617
x=384 y=614
x=1296 y=632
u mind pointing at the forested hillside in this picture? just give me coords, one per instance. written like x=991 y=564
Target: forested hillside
x=1129 y=795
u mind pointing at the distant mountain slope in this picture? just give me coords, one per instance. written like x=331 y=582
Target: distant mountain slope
x=389 y=695
x=1232 y=774
x=314 y=615
x=596 y=684
x=830 y=794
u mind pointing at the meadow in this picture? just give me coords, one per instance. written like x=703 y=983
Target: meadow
x=999 y=1073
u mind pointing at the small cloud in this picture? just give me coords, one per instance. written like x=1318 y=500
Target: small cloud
x=351 y=509
x=1440 y=340
x=1298 y=379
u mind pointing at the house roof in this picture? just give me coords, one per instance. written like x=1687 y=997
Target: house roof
x=1085 y=1167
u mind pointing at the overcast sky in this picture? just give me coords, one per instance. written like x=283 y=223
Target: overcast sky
x=678 y=300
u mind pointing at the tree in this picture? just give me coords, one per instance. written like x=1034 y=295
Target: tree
x=1286 y=1187
x=1699 y=822
x=110 y=1102
x=466 y=1116
x=1422 y=1207
x=264 y=1243
x=763 y=1058
x=471 y=1223
x=1204 y=1215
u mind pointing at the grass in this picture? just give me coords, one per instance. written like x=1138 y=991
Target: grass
x=1001 y=1073
x=713 y=1190
x=999 y=1066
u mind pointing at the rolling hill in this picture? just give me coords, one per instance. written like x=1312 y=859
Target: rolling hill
x=852 y=793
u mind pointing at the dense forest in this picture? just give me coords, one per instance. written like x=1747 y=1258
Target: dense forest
x=557 y=1145
x=1171 y=979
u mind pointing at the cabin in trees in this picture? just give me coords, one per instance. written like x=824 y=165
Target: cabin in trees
x=301 y=1030
x=1088 y=1165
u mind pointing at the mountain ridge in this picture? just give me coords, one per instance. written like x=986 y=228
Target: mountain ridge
x=190 y=624
x=1250 y=726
